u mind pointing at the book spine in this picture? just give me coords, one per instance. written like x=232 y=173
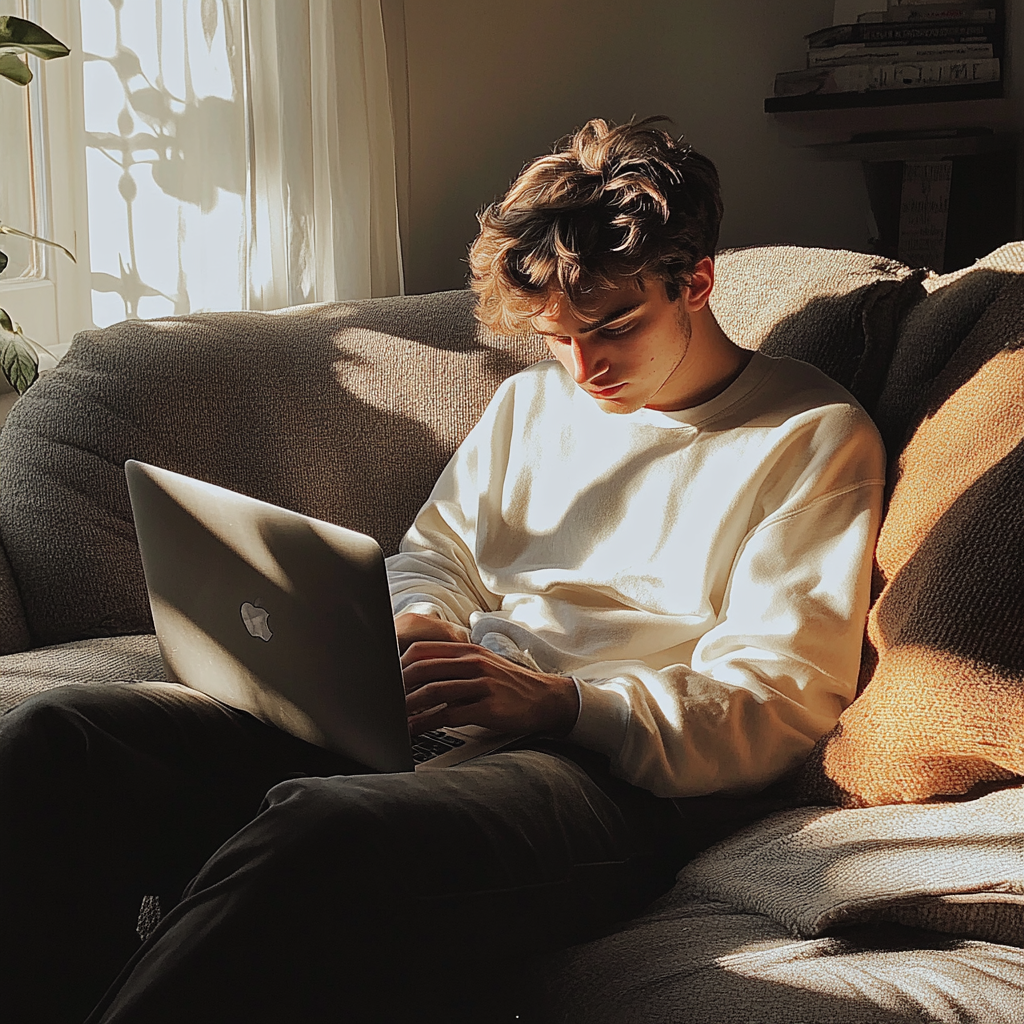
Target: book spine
x=898 y=4
x=903 y=34
x=858 y=78
x=923 y=74
x=984 y=15
x=859 y=53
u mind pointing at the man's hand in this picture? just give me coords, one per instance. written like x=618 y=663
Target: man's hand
x=478 y=687
x=411 y=627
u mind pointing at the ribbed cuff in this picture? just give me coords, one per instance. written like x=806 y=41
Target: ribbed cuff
x=603 y=718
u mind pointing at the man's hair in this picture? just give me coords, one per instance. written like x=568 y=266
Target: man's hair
x=613 y=204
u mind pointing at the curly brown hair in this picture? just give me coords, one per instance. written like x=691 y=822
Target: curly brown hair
x=612 y=203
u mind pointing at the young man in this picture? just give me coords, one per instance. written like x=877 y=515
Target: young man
x=651 y=556
x=681 y=526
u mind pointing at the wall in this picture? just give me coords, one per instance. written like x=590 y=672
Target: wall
x=492 y=84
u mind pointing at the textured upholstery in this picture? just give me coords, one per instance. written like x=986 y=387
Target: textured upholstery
x=942 y=707
x=949 y=867
x=102 y=660
x=346 y=412
x=838 y=310
x=14 y=635
x=695 y=962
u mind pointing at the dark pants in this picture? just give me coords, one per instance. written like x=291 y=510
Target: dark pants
x=311 y=893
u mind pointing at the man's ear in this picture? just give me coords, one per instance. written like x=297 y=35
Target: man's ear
x=697 y=293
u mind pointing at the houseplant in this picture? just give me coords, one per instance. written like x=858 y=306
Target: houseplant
x=18 y=355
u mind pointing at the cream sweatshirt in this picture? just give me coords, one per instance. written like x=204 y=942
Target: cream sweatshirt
x=703 y=575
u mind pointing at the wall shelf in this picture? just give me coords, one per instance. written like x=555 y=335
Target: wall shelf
x=884 y=98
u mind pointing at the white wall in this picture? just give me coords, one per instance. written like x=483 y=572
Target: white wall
x=495 y=82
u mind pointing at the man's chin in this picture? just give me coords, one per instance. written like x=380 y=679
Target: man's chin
x=619 y=406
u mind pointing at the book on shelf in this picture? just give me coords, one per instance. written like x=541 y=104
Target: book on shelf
x=861 y=78
x=906 y=33
x=929 y=12
x=893 y=4
x=865 y=53
x=879 y=53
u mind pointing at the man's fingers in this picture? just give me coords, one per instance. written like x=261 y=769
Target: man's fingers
x=421 y=650
x=445 y=691
x=472 y=713
x=426 y=663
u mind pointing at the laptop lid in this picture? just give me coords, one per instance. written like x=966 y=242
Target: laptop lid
x=273 y=612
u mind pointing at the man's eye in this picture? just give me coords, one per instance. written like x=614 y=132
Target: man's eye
x=617 y=332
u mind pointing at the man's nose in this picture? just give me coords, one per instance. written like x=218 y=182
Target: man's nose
x=586 y=365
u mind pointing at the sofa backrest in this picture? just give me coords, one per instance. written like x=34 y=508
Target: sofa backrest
x=344 y=411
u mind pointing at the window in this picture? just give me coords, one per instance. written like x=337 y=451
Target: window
x=198 y=155
x=165 y=156
x=42 y=188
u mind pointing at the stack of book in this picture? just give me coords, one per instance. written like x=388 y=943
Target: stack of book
x=910 y=52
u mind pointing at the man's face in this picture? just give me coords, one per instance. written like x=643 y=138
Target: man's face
x=628 y=353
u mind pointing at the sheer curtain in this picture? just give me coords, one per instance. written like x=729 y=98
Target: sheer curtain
x=240 y=154
x=322 y=197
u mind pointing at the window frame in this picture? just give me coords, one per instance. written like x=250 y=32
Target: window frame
x=53 y=306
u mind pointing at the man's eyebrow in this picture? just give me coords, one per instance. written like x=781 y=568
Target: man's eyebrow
x=604 y=321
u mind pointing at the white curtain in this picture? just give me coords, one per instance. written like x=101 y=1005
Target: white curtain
x=321 y=196
x=239 y=153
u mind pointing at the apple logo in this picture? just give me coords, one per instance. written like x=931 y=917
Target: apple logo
x=255 y=619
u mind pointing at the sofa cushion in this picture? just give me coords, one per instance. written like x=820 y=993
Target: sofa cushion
x=103 y=660
x=942 y=702
x=701 y=962
x=836 y=309
x=950 y=867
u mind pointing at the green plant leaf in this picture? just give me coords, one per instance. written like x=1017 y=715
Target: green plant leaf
x=6 y=229
x=21 y=36
x=14 y=69
x=17 y=359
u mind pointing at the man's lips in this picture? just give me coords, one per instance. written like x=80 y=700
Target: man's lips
x=607 y=392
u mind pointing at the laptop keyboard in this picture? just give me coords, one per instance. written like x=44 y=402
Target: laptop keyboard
x=432 y=744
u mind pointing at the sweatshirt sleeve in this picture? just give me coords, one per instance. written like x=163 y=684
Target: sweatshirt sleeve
x=774 y=672
x=435 y=570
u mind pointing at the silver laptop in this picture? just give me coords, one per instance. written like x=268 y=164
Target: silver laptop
x=283 y=616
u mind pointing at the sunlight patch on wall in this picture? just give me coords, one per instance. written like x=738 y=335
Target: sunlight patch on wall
x=166 y=156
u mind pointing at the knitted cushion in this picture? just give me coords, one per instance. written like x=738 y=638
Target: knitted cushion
x=942 y=707
x=932 y=331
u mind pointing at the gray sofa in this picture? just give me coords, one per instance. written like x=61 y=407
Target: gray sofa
x=850 y=905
